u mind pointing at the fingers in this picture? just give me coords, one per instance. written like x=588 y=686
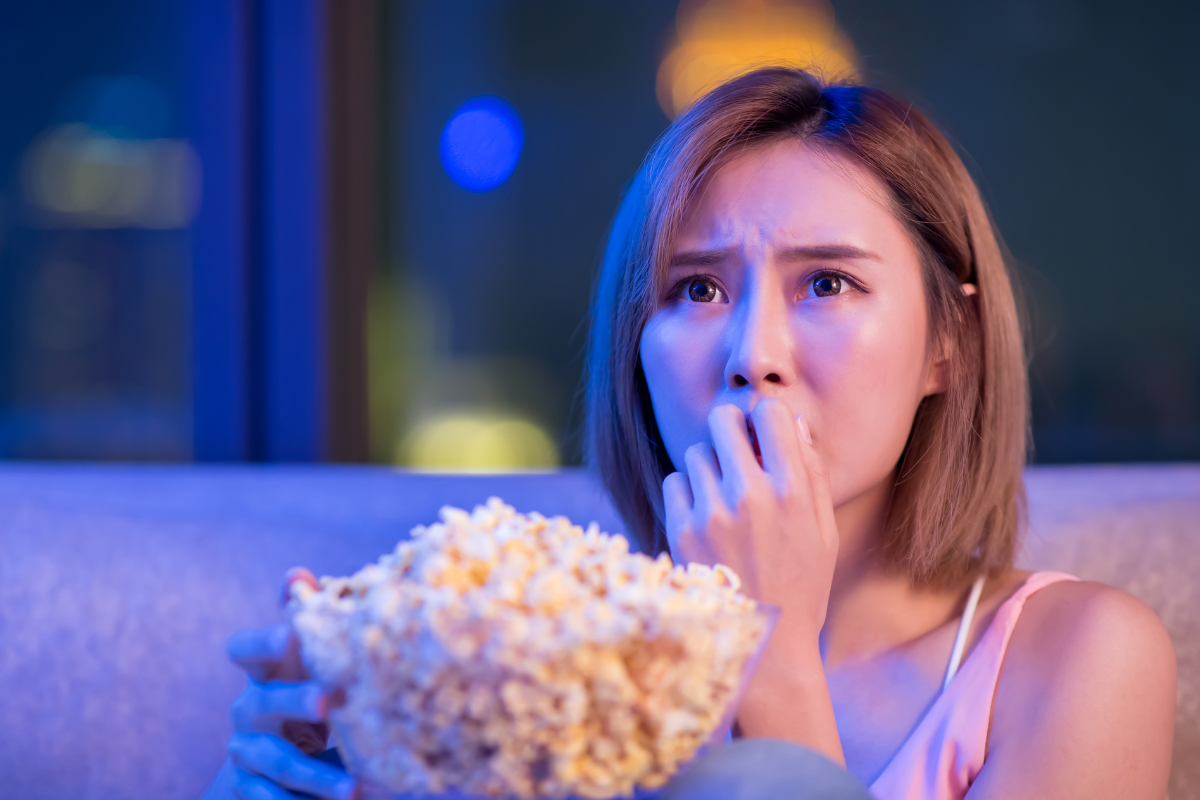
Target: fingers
x=253 y=787
x=265 y=706
x=677 y=502
x=263 y=652
x=818 y=478
x=260 y=756
x=778 y=439
x=731 y=440
x=677 y=496
x=805 y=433
x=704 y=475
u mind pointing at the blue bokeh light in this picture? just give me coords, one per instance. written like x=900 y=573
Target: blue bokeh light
x=481 y=143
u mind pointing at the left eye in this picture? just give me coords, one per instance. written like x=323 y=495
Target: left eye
x=827 y=285
x=702 y=290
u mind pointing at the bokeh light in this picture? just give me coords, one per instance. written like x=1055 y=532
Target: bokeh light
x=481 y=143
x=467 y=441
x=78 y=176
x=721 y=39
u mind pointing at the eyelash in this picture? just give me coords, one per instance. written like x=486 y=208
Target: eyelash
x=833 y=273
x=682 y=283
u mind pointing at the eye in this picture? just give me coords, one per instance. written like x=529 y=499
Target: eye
x=702 y=290
x=828 y=284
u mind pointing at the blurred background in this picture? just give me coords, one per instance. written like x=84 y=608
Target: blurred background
x=367 y=230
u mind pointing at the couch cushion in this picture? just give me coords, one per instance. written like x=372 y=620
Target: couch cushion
x=1136 y=528
x=120 y=584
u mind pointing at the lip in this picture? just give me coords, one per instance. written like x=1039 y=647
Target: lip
x=754 y=441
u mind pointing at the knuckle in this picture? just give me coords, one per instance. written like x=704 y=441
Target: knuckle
x=751 y=494
x=254 y=788
x=818 y=470
x=683 y=531
x=746 y=501
x=279 y=760
x=242 y=748
x=743 y=506
x=244 y=709
x=718 y=517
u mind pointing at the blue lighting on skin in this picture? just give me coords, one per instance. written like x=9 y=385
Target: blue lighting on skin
x=481 y=143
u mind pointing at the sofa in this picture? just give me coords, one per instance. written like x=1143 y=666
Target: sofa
x=119 y=585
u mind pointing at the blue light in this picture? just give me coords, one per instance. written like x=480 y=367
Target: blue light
x=481 y=143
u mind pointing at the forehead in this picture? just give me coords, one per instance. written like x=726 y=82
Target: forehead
x=789 y=192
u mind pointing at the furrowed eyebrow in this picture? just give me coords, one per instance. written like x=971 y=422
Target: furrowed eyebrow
x=699 y=258
x=820 y=252
x=832 y=252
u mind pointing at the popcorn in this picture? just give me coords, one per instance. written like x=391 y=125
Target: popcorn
x=500 y=654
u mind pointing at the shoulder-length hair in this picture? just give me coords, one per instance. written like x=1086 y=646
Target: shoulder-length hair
x=959 y=495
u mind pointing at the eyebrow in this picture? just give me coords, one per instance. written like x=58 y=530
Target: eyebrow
x=832 y=252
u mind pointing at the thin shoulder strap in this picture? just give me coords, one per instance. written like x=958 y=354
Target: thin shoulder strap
x=964 y=628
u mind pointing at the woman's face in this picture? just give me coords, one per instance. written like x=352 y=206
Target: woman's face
x=790 y=278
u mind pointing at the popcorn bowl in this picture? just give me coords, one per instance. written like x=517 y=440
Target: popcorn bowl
x=498 y=654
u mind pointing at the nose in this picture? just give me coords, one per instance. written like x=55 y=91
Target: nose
x=761 y=350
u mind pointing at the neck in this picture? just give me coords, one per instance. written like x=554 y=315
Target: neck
x=874 y=607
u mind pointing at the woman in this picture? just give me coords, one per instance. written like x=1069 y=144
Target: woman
x=806 y=364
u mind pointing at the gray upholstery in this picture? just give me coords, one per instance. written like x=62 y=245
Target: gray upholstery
x=120 y=584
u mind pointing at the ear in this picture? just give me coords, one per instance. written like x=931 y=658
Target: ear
x=937 y=380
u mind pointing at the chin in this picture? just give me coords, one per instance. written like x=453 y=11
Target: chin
x=845 y=488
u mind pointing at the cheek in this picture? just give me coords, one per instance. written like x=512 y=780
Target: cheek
x=865 y=376
x=684 y=371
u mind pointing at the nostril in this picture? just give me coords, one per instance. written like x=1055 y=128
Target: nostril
x=739 y=381
x=773 y=378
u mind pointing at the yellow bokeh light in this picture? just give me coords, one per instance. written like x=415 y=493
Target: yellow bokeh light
x=477 y=442
x=721 y=39
x=79 y=177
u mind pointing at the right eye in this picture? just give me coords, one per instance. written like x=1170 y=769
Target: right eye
x=702 y=290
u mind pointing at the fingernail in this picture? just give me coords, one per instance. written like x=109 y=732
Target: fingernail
x=297 y=575
x=804 y=433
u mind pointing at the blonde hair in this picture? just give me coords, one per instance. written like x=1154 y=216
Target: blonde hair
x=959 y=494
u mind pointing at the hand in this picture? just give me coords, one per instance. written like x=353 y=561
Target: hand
x=278 y=721
x=772 y=524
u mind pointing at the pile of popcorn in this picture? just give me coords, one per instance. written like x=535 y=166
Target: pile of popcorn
x=508 y=655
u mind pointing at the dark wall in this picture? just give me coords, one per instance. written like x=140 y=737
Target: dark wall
x=1079 y=121
x=93 y=320
x=511 y=269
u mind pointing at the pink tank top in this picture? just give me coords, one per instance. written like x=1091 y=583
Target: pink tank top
x=944 y=753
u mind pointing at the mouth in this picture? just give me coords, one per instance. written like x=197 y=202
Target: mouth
x=754 y=441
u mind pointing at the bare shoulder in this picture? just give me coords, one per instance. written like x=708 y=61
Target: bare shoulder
x=1086 y=698
x=1083 y=625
